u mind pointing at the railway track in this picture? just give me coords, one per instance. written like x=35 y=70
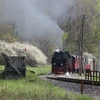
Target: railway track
x=80 y=80
x=75 y=84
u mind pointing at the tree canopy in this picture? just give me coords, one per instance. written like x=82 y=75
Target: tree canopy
x=71 y=26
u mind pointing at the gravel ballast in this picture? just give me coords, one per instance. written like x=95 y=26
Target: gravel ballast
x=90 y=90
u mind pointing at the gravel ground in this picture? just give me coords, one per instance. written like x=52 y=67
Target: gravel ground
x=74 y=87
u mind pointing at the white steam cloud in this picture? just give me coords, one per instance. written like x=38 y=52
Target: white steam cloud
x=37 y=18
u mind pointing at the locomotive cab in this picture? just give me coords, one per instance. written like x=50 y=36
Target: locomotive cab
x=69 y=62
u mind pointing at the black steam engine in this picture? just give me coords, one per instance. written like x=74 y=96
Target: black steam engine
x=58 y=62
x=62 y=62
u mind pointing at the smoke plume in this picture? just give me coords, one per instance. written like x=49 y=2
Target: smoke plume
x=37 y=18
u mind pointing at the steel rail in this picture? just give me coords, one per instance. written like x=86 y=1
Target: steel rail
x=78 y=81
x=88 y=82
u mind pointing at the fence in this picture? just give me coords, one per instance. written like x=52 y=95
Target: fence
x=92 y=75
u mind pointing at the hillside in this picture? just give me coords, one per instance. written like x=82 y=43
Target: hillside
x=44 y=24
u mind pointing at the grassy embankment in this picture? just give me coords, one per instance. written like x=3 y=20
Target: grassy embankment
x=34 y=88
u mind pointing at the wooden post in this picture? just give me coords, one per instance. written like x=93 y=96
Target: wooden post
x=88 y=75
x=96 y=75
x=85 y=75
x=93 y=76
x=82 y=87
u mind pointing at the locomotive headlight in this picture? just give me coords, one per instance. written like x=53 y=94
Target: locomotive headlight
x=54 y=63
x=61 y=63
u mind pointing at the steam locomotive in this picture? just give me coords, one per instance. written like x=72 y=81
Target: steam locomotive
x=58 y=62
x=63 y=62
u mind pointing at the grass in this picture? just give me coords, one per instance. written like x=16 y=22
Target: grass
x=32 y=87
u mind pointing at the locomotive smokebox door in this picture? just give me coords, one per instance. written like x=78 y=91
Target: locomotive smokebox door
x=15 y=67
